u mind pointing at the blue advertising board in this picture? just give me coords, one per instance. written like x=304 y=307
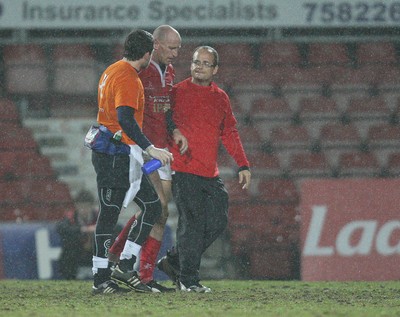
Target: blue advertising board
x=32 y=250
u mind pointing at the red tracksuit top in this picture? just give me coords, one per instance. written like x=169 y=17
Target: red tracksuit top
x=204 y=116
x=157 y=87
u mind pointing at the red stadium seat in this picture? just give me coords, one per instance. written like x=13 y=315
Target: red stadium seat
x=73 y=53
x=279 y=53
x=226 y=165
x=76 y=71
x=14 y=193
x=393 y=164
x=368 y=108
x=358 y=164
x=7 y=166
x=307 y=164
x=25 y=69
x=376 y=53
x=317 y=108
x=383 y=135
x=27 y=212
x=49 y=192
x=24 y=165
x=235 y=54
x=267 y=220
x=34 y=212
x=20 y=140
x=270 y=109
x=355 y=79
x=237 y=107
x=32 y=166
x=328 y=53
x=292 y=78
x=388 y=78
x=9 y=111
x=264 y=164
x=250 y=137
x=290 y=137
x=237 y=195
x=337 y=135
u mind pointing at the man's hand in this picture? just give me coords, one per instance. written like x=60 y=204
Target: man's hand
x=180 y=140
x=163 y=155
x=245 y=177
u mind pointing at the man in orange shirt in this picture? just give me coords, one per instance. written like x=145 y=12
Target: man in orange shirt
x=118 y=165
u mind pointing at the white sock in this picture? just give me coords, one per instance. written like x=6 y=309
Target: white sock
x=99 y=263
x=130 y=249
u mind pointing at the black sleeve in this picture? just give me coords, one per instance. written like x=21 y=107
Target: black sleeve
x=170 y=123
x=130 y=126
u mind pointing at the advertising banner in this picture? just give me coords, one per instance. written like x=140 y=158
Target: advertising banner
x=199 y=14
x=350 y=230
x=32 y=251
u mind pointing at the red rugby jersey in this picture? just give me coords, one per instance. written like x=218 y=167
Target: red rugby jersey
x=157 y=87
x=204 y=116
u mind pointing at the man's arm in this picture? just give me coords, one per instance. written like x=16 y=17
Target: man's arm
x=130 y=126
x=128 y=123
x=178 y=137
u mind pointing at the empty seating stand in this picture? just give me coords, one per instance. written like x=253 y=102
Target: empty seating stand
x=76 y=71
x=265 y=164
x=368 y=108
x=328 y=54
x=338 y=135
x=309 y=164
x=270 y=109
x=382 y=53
x=359 y=164
x=317 y=109
x=34 y=200
x=29 y=190
x=290 y=137
x=25 y=69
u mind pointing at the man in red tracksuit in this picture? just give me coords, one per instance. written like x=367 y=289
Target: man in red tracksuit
x=201 y=111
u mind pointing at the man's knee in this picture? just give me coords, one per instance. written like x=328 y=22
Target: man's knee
x=110 y=207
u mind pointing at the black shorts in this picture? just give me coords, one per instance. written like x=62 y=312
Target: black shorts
x=112 y=170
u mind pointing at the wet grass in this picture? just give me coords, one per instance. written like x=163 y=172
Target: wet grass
x=229 y=298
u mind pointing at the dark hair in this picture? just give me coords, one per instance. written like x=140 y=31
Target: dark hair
x=138 y=43
x=210 y=50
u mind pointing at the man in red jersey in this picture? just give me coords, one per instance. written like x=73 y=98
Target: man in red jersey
x=157 y=80
x=202 y=113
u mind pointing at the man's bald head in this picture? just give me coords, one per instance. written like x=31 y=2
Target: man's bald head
x=167 y=42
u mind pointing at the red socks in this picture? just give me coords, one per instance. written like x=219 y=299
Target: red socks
x=119 y=243
x=148 y=258
x=148 y=255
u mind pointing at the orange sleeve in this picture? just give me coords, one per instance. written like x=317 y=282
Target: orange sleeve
x=119 y=85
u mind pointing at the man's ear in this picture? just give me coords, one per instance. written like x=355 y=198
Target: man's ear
x=215 y=71
x=156 y=44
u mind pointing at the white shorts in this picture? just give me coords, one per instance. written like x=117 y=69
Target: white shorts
x=135 y=173
x=165 y=172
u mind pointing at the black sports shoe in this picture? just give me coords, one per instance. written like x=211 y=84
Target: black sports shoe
x=130 y=279
x=165 y=266
x=158 y=288
x=195 y=288
x=107 y=287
